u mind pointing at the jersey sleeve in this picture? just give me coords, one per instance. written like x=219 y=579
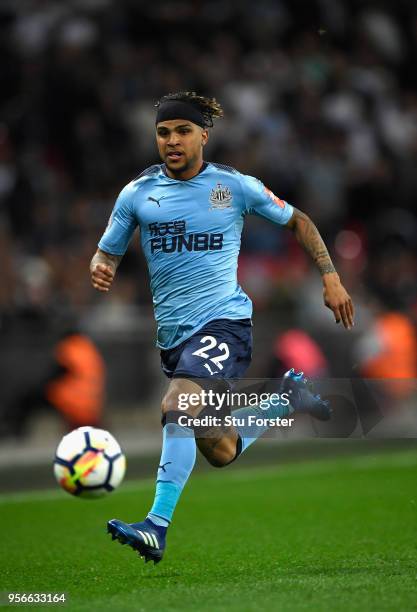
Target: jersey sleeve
x=121 y=225
x=259 y=200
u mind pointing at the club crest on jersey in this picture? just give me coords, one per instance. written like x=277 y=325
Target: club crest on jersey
x=220 y=197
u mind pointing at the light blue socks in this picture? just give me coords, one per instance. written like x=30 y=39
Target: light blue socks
x=177 y=461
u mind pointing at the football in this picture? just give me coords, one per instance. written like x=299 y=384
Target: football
x=89 y=463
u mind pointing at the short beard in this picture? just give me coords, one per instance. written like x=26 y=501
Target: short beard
x=178 y=170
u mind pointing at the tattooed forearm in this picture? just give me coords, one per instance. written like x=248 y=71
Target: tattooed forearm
x=105 y=258
x=309 y=237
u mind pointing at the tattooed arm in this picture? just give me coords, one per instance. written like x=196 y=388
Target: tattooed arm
x=335 y=295
x=103 y=268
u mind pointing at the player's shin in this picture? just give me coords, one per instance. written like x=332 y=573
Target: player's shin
x=176 y=464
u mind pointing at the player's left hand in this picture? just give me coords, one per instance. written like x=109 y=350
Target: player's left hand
x=338 y=300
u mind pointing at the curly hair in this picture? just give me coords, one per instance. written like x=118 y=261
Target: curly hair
x=209 y=107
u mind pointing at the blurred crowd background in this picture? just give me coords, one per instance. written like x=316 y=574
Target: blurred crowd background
x=320 y=102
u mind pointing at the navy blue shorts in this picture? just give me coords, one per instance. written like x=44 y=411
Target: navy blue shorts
x=220 y=349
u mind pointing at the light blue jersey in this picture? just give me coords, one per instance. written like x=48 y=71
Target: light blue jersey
x=190 y=233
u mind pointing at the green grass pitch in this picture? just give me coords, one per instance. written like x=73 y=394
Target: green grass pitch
x=323 y=535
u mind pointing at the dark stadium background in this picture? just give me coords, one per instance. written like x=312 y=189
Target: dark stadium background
x=320 y=100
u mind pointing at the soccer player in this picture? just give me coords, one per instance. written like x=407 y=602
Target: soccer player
x=190 y=213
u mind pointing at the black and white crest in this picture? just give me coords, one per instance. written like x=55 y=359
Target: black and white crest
x=221 y=197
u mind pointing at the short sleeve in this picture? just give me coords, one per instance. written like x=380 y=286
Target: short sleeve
x=260 y=200
x=121 y=225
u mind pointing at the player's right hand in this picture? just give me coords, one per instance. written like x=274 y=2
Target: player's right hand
x=102 y=276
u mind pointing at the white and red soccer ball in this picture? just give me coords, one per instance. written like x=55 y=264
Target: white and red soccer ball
x=89 y=462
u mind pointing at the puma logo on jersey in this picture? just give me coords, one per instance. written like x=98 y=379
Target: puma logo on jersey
x=156 y=200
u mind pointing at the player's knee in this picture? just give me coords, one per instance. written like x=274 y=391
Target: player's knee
x=222 y=455
x=174 y=401
x=217 y=462
x=176 y=397
x=170 y=402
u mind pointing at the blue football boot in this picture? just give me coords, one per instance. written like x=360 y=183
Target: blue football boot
x=301 y=396
x=146 y=537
